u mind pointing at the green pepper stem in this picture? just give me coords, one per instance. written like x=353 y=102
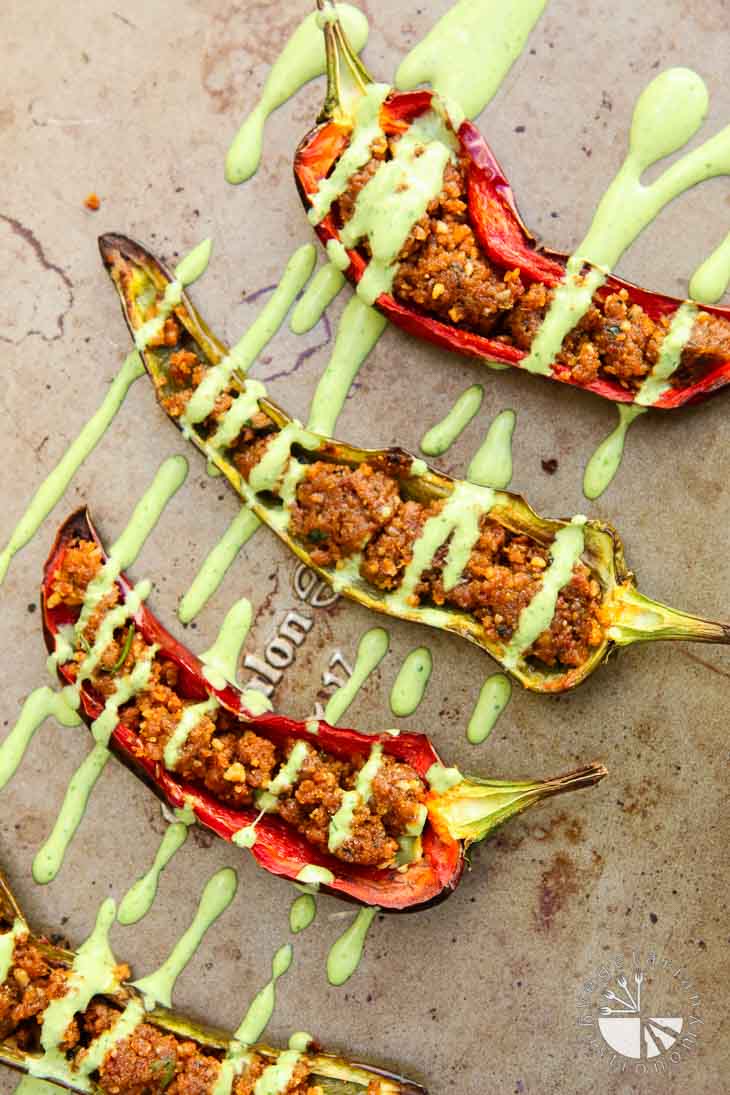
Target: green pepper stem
x=473 y=808
x=636 y=618
x=347 y=77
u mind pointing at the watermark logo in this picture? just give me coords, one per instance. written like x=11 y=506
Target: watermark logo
x=640 y=1015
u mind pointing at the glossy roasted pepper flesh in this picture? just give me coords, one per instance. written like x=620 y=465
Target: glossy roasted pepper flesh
x=548 y=599
x=377 y=817
x=158 y=1050
x=469 y=276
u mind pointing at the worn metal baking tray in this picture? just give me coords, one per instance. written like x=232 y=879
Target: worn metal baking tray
x=481 y=993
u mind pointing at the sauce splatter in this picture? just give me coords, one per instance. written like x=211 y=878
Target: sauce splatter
x=359 y=329
x=302 y=58
x=493 y=698
x=410 y=685
x=217 y=895
x=606 y=460
x=216 y=564
x=442 y=436
x=371 y=650
x=487 y=37
x=491 y=465
x=346 y=952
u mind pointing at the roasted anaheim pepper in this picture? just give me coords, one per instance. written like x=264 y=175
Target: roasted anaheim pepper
x=376 y=817
x=548 y=599
x=159 y=1048
x=461 y=270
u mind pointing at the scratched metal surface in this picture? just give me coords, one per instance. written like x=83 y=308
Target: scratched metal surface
x=478 y=994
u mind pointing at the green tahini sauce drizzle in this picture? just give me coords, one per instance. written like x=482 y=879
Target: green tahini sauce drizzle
x=605 y=462
x=138 y=900
x=302 y=912
x=491 y=465
x=340 y=826
x=217 y=563
x=221 y=660
x=94 y=972
x=57 y=482
x=259 y=1014
x=667 y=114
x=411 y=683
x=371 y=650
x=259 y=334
x=710 y=281
x=316 y=298
x=359 y=329
x=40 y=705
x=443 y=435
x=217 y=895
x=346 y=952
x=493 y=698
x=7 y=946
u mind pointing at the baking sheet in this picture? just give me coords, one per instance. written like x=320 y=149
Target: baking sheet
x=139 y=104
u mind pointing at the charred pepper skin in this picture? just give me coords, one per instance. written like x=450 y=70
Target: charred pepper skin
x=628 y=616
x=278 y=847
x=327 y=1068
x=500 y=231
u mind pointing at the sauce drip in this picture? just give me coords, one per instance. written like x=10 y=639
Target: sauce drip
x=56 y=483
x=216 y=564
x=491 y=465
x=302 y=59
x=221 y=660
x=302 y=912
x=487 y=37
x=371 y=650
x=259 y=1014
x=606 y=460
x=138 y=900
x=217 y=895
x=346 y=952
x=410 y=685
x=493 y=698
x=710 y=281
x=442 y=436
x=316 y=298
x=40 y=705
x=359 y=329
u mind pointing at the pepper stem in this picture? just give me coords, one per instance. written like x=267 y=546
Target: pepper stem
x=347 y=77
x=635 y=618
x=10 y=910
x=473 y=808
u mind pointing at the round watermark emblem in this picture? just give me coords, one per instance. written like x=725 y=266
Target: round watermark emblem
x=639 y=1014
